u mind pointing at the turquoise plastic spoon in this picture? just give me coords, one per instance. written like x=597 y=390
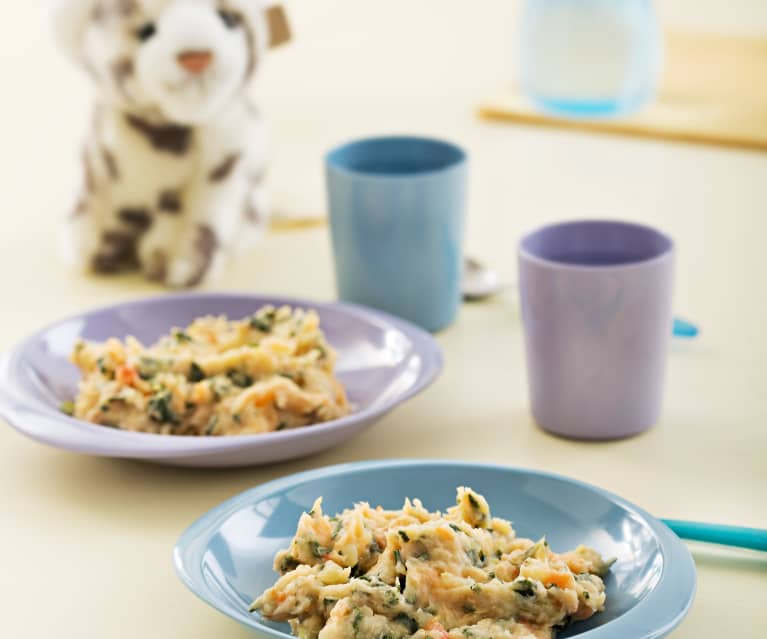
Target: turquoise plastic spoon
x=683 y=328
x=754 y=538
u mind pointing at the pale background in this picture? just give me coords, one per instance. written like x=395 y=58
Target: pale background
x=87 y=542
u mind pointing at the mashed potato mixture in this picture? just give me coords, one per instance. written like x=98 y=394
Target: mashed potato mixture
x=267 y=372
x=371 y=573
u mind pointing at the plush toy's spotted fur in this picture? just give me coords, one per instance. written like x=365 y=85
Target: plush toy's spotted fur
x=173 y=165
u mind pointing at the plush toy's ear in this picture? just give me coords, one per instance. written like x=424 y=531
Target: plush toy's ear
x=278 y=25
x=68 y=19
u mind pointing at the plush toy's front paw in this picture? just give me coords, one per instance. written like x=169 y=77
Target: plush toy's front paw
x=154 y=266
x=185 y=272
x=78 y=243
x=200 y=262
x=106 y=252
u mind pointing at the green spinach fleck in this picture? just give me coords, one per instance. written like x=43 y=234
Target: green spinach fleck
x=181 y=336
x=356 y=621
x=524 y=588
x=263 y=320
x=407 y=621
x=288 y=563
x=211 y=427
x=477 y=558
x=215 y=388
x=239 y=378
x=159 y=407
x=147 y=368
x=391 y=599
x=196 y=374
x=104 y=368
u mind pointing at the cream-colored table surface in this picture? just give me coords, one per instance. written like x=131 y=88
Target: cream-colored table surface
x=87 y=542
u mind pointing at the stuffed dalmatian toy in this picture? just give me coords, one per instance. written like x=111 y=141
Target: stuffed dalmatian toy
x=175 y=158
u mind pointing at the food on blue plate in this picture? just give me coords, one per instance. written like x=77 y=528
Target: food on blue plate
x=268 y=372
x=370 y=573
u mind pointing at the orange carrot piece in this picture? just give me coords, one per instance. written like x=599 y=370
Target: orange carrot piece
x=444 y=534
x=436 y=629
x=560 y=579
x=265 y=400
x=126 y=374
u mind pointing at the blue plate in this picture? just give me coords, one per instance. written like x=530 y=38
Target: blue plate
x=225 y=557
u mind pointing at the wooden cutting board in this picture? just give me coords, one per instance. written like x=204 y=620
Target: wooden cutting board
x=714 y=91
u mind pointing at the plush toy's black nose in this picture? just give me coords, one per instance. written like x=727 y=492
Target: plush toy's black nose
x=195 y=61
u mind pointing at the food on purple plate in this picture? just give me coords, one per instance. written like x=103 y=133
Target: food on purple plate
x=268 y=372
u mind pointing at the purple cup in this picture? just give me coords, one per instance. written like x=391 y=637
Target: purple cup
x=596 y=309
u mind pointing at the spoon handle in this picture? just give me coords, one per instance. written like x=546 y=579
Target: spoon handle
x=683 y=328
x=754 y=538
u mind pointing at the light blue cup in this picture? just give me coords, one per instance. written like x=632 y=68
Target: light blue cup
x=397 y=218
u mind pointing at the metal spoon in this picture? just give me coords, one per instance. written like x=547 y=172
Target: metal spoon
x=480 y=282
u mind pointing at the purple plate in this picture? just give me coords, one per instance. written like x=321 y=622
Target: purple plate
x=382 y=362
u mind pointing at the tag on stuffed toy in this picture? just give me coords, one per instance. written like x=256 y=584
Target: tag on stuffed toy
x=279 y=27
